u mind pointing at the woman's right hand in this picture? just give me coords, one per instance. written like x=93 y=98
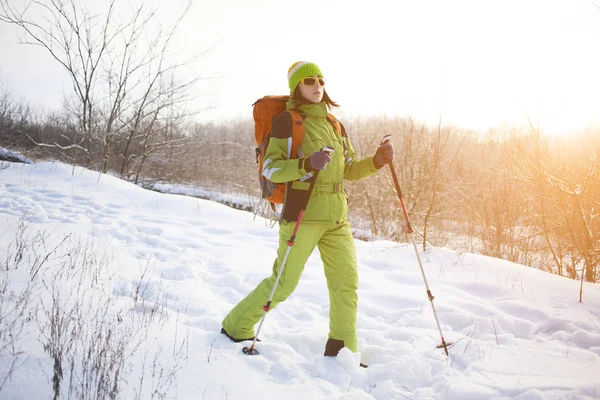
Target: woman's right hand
x=317 y=160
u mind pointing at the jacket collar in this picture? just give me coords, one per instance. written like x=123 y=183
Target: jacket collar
x=312 y=110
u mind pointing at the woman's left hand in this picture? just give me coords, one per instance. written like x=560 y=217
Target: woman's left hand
x=384 y=155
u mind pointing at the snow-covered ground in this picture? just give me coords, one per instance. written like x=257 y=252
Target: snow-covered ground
x=519 y=333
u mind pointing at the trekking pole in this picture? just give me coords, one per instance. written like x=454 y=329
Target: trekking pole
x=410 y=230
x=251 y=350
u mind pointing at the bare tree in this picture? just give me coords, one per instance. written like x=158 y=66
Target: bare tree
x=123 y=77
x=69 y=34
x=441 y=184
x=567 y=181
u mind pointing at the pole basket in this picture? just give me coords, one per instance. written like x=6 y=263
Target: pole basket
x=251 y=351
x=444 y=346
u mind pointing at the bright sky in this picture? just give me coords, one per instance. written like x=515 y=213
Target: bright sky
x=477 y=64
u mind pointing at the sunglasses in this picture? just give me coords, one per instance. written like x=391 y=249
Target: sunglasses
x=310 y=81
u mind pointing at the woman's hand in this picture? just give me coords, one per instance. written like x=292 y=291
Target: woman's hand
x=317 y=160
x=384 y=155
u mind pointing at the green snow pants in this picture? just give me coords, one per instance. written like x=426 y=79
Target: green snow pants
x=338 y=254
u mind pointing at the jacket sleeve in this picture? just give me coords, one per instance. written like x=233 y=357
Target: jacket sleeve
x=277 y=165
x=356 y=169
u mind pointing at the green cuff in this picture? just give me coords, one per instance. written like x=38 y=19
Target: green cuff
x=372 y=166
x=301 y=170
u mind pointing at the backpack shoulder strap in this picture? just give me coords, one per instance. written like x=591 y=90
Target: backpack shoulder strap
x=297 y=131
x=336 y=124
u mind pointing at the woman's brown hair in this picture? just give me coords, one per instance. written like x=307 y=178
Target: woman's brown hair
x=299 y=100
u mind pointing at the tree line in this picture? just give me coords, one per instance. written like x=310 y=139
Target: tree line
x=521 y=196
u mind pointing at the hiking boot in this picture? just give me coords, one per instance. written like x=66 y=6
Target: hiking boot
x=333 y=347
x=224 y=332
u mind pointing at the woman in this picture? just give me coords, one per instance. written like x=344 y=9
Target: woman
x=324 y=224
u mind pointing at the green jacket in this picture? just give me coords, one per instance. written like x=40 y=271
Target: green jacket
x=328 y=201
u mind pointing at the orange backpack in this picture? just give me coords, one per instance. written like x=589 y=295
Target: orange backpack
x=266 y=110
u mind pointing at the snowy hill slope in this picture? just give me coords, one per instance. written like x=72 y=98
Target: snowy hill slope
x=519 y=333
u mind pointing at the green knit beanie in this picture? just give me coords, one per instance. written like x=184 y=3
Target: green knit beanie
x=299 y=70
